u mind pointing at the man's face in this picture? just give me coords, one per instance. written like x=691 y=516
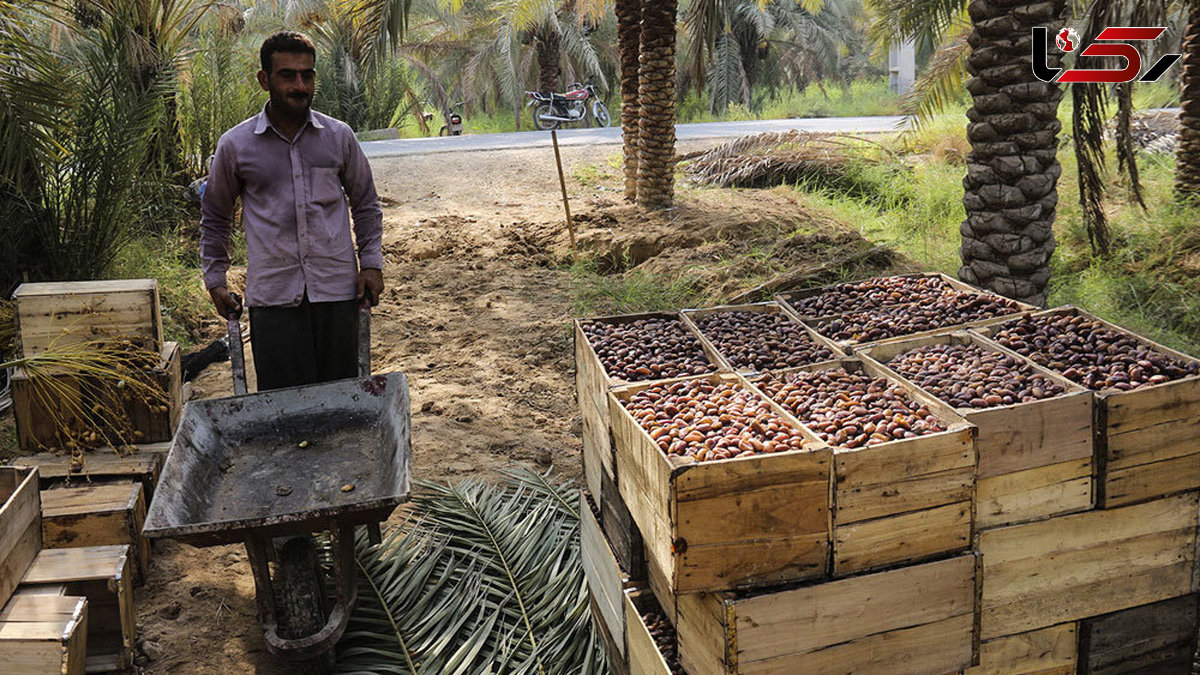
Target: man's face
x=291 y=82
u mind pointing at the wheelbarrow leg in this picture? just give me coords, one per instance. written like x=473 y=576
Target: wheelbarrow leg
x=309 y=647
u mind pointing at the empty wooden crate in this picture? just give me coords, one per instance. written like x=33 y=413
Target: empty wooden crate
x=722 y=524
x=1069 y=568
x=73 y=312
x=1035 y=458
x=97 y=515
x=20 y=526
x=918 y=620
x=44 y=634
x=900 y=501
x=102 y=575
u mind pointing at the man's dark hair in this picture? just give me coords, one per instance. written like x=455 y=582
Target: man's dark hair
x=285 y=41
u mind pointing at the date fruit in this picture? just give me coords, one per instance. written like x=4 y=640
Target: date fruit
x=952 y=309
x=707 y=420
x=850 y=410
x=647 y=349
x=857 y=296
x=969 y=376
x=1089 y=353
x=761 y=340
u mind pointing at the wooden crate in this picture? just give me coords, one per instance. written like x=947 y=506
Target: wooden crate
x=34 y=413
x=592 y=384
x=643 y=656
x=917 y=620
x=1035 y=458
x=44 y=634
x=20 y=526
x=722 y=524
x=71 y=312
x=1157 y=638
x=102 y=575
x=1049 y=651
x=1145 y=439
x=1073 y=567
x=97 y=515
x=902 y=501
x=691 y=315
x=606 y=580
x=789 y=298
x=101 y=465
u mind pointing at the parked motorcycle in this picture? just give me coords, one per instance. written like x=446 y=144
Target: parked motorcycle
x=454 y=122
x=552 y=110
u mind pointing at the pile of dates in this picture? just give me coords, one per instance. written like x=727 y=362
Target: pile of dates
x=969 y=376
x=663 y=634
x=761 y=340
x=647 y=349
x=711 y=420
x=862 y=295
x=951 y=309
x=1089 y=353
x=850 y=410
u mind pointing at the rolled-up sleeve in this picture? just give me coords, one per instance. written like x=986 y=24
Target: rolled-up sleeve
x=216 y=215
x=359 y=184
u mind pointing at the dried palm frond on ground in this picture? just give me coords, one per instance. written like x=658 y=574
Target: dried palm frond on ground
x=481 y=578
x=86 y=389
x=773 y=158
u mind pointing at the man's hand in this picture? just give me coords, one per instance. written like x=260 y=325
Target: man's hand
x=227 y=306
x=370 y=280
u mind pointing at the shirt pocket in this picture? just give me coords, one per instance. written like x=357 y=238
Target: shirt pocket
x=325 y=188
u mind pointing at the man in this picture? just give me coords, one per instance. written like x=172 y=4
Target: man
x=294 y=169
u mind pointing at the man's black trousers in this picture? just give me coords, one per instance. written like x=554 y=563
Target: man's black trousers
x=312 y=342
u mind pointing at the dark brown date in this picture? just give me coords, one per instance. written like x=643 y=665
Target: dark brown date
x=647 y=349
x=969 y=376
x=761 y=340
x=952 y=309
x=869 y=294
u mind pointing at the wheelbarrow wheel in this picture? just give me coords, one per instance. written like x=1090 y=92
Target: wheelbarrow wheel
x=301 y=601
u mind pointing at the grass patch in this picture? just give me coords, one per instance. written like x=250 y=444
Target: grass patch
x=596 y=294
x=591 y=175
x=858 y=98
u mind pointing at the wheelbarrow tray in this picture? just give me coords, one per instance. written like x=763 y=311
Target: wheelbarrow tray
x=236 y=465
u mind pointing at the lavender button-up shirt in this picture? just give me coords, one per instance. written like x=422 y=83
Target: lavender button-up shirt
x=294 y=195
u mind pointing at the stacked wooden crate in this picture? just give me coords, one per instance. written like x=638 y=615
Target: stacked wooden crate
x=66 y=610
x=1028 y=537
x=62 y=314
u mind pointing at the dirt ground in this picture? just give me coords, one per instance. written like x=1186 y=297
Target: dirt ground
x=476 y=313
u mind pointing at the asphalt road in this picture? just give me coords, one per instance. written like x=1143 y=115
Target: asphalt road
x=612 y=135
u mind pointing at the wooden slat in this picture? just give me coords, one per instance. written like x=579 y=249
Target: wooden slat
x=1156 y=638
x=1033 y=494
x=23 y=607
x=903 y=495
x=1049 y=651
x=604 y=577
x=102 y=464
x=702 y=631
x=79 y=311
x=591 y=389
x=1148 y=481
x=20 y=529
x=44 y=634
x=900 y=539
x=1073 y=567
x=95 y=563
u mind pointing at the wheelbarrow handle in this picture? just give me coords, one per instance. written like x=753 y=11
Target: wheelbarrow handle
x=237 y=354
x=364 y=334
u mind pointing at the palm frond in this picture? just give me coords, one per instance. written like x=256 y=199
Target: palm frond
x=480 y=578
x=726 y=77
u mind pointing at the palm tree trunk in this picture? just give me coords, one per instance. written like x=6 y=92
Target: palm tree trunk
x=629 y=35
x=1011 y=187
x=656 y=106
x=1187 y=155
x=548 y=54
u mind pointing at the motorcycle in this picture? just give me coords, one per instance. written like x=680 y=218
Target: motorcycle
x=454 y=122
x=552 y=110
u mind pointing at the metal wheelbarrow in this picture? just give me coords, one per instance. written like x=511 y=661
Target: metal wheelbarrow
x=284 y=464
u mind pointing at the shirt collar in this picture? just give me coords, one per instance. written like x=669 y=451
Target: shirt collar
x=264 y=122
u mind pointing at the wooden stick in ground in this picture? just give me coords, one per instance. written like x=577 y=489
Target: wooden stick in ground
x=562 y=181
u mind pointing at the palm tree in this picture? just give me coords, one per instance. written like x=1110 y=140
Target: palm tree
x=1012 y=169
x=656 y=106
x=629 y=35
x=1187 y=155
